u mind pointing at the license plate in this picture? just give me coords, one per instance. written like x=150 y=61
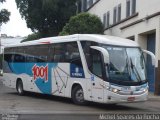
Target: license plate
x=131 y=99
x=126 y=89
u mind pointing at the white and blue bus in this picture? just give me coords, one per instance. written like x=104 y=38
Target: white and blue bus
x=83 y=67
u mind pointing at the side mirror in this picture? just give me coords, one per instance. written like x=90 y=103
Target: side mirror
x=104 y=52
x=1 y=72
x=152 y=56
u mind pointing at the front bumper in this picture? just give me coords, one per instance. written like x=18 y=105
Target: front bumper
x=117 y=98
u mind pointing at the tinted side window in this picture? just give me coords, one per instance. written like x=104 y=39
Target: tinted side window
x=66 y=52
x=93 y=58
x=8 y=57
x=57 y=52
x=37 y=53
x=15 y=54
x=19 y=58
x=19 y=54
x=8 y=50
x=86 y=49
x=96 y=63
x=72 y=51
x=72 y=54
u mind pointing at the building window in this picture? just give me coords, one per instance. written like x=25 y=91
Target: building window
x=89 y=3
x=104 y=20
x=79 y=6
x=108 y=18
x=95 y=1
x=128 y=8
x=84 y=5
x=133 y=6
x=115 y=15
x=119 y=12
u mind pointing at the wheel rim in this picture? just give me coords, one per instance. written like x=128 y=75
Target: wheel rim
x=79 y=95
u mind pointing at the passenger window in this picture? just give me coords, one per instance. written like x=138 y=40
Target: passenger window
x=77 y=62
x=66 y=52
x=38 y=53
x=58 y=54
x=8 y=57
x=71 y=52
x=19 y=58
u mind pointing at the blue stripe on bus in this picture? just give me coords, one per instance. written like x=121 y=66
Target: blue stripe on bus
x=21 y=68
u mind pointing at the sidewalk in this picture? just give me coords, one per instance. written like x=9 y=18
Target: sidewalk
x=151 y=96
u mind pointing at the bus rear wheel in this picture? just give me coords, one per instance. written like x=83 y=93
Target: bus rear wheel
x=19 y=88
x=78 y=95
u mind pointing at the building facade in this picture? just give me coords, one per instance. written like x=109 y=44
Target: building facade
x=138 y=20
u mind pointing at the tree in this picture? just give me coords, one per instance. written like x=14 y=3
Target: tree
x=33 y=36
x=4 y=15
x=46 y=17
x=83 y=23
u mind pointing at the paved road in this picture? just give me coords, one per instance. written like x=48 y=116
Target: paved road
x=37 y=106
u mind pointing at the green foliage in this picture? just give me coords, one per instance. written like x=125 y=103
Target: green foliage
x=4 y=15
x=83 y=23
x=46 y=16
x=63 y=33
x=33 y=36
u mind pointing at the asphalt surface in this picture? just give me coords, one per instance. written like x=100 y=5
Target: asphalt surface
x=34 y=106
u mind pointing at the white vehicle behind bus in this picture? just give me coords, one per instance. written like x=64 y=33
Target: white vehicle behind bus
x=83 y=67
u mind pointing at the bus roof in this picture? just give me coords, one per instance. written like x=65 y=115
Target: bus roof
x=105 y=39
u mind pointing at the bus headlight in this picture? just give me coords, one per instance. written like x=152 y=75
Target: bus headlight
x=145 y=89
x=1 y=72
x=114 y=90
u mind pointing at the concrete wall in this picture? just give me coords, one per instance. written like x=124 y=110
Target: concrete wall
x=144 y=7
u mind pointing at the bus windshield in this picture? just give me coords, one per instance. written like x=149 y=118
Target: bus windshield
x=126 y=65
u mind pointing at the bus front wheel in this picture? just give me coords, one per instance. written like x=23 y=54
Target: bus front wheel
x=19 y=87
x=78 y=95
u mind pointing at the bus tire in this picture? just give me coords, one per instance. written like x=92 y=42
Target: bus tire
x=78 y=95
x=19 y=87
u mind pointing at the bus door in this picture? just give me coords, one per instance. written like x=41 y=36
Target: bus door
x=97 y=81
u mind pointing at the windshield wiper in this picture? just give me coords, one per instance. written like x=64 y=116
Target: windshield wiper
x=135 y=71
